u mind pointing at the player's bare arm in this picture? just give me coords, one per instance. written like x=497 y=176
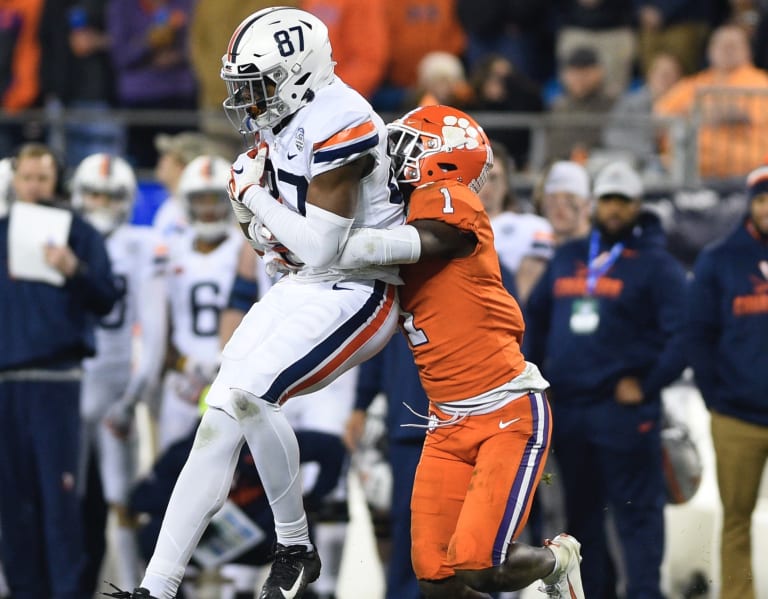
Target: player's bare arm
x=337 y=190
x=441 y=240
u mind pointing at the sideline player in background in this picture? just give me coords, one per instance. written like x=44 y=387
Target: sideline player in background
x=201 y=269
x=104 y=190
x=488 y=427
x=330 y=169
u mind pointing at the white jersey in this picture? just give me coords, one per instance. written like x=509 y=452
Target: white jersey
x=519 y=235
x=170 y=220
x=198 y=290
x=337 y=127
x=138 y=257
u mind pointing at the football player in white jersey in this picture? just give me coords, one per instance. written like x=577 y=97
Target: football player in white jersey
x=317 y=168
x=524 y=242
x=201 y=269
x=104 y=189
x=322 y=413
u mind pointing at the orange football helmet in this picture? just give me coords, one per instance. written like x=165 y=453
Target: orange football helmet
x=435 y=143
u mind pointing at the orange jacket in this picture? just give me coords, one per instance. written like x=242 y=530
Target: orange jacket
x=24 y=87
x=732 y=139
x=359 y=39
x=416 y=28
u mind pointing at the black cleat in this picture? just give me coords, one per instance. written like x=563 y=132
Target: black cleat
x=138 y=593
x=294 y=568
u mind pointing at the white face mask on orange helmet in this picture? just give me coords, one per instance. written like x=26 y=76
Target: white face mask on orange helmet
x=437 y=143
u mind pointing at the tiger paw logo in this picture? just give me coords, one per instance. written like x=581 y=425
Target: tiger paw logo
x=459 y=133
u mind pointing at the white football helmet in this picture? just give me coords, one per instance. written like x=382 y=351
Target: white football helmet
x=276 y=59
x=107 y=177
x=203 y=194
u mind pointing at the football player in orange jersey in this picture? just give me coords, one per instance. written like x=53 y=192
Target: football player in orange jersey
x=489 y=425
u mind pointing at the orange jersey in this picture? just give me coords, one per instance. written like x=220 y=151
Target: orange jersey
x=463 y=326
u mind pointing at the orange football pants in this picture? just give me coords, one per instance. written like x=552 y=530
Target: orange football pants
x=474 y=486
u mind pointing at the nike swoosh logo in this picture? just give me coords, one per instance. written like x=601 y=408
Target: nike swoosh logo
x=503 y=424
x=292 y=156
x=336 y=287
x=294 y=590
x=238 y=172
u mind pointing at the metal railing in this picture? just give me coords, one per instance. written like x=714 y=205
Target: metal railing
x=681 y=165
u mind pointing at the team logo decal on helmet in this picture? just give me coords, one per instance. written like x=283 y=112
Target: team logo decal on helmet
x=435 y=143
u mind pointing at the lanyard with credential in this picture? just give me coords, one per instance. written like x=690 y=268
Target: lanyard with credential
x=594 y=270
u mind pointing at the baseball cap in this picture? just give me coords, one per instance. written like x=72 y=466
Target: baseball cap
x=187 y=145
x=581 y=57
x=757 y=182
x=566 y=176
x=618 y=178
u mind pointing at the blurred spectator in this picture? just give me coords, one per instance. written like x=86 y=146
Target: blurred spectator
x=175 y=152
x=211 y=26
x=727 y=329
x=416 y=28
x=518 y=30
x=677 y=27
x=584 y=96
x=629 y=127
x=47 y=330
x=618 y=284
x=19 y=65
x=150 y=54
x=499 y=87
x=523 y=241
x=759 y=37
x=606 y=26
x=77 y=73
x=565 y=200
x=359 y=38
x=729 y=102
x=441 y=80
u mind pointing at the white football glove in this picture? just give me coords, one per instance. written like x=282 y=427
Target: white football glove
x=280 y=260
x=242 y=214
x=247 y=170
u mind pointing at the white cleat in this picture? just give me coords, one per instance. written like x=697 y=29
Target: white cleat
x=565 y=580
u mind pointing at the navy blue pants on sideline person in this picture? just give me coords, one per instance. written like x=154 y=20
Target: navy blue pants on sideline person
x=610 y=458
x=39 y=504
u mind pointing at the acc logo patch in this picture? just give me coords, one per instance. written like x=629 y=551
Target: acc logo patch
x=299 y=139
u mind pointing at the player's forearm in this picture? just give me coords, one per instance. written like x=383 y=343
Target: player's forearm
x=316 y=239
x=366 y=247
